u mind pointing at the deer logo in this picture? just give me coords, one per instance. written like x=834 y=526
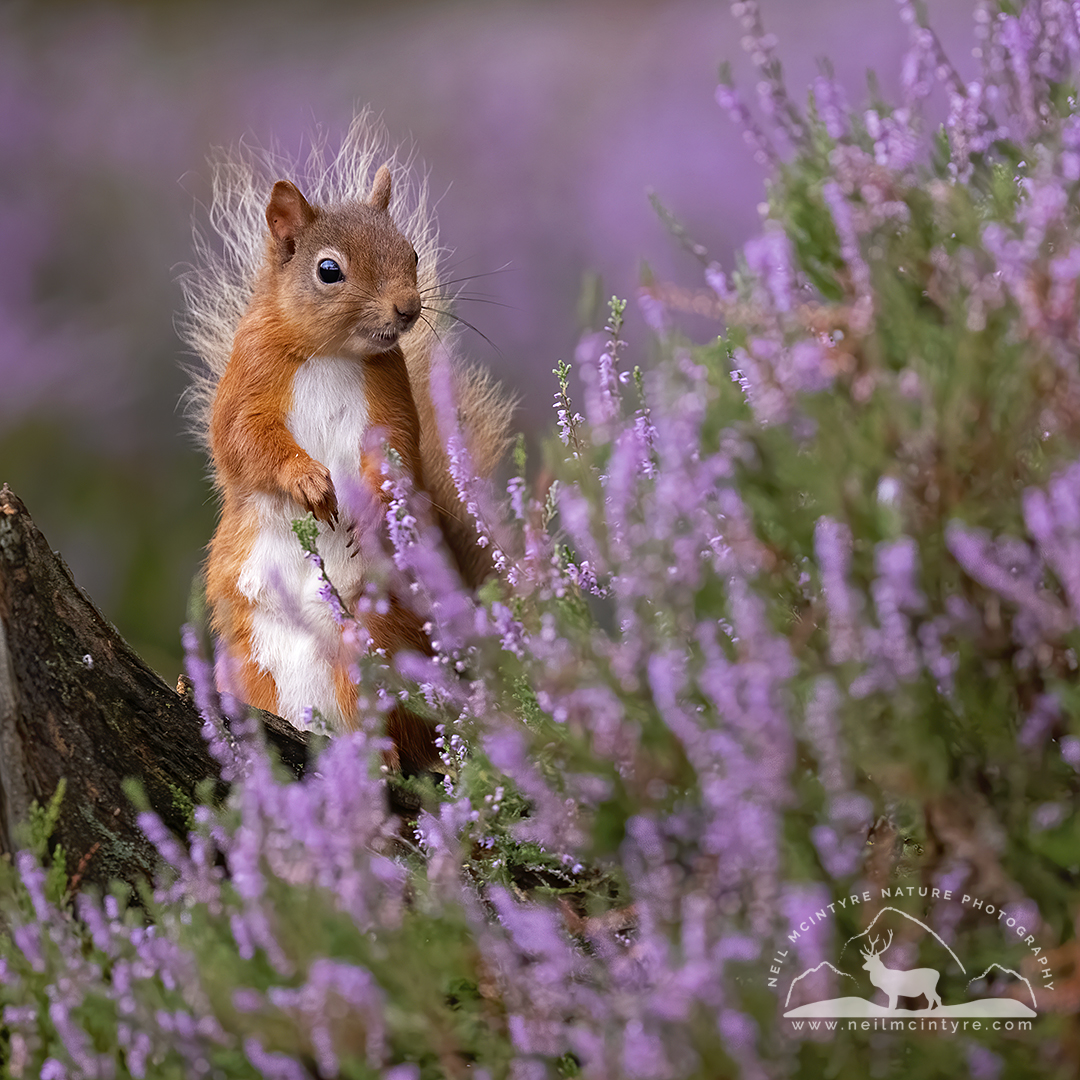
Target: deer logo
x=918 y=982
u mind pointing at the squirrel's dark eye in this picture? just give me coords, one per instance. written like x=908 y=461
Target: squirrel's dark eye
x=329 y=272
x=415 y=259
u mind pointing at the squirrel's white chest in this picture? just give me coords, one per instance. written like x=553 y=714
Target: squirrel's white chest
x=329 y=414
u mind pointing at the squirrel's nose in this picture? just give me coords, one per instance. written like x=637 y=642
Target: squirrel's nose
x=406 y=312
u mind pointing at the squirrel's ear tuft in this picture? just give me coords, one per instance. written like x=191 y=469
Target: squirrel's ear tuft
x=379 y=198
x=288 y=213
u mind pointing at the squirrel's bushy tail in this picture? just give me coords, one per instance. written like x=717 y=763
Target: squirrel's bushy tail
x=218 y=289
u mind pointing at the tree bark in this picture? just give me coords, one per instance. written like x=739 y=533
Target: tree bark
x=76 y=702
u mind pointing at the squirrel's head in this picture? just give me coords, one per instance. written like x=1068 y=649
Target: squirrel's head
x=343 y=276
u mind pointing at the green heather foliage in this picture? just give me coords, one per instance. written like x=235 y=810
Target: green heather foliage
x=788 y=653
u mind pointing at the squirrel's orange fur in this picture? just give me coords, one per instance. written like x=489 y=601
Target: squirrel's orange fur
x=328 y=348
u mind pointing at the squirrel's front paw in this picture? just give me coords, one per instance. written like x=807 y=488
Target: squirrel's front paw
x=311 y=486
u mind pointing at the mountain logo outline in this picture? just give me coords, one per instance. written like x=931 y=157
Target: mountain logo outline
x=908 y=983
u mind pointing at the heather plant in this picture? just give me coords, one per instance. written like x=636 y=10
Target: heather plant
x=795 y=624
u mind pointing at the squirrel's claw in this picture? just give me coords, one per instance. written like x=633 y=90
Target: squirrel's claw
x=352 y=543
x=313 y=489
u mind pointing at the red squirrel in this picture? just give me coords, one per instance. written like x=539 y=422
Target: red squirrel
x=328 y=344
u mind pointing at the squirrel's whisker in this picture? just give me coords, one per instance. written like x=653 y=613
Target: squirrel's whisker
x=465 y=322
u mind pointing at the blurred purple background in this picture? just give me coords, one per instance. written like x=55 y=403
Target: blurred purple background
x=542 y=125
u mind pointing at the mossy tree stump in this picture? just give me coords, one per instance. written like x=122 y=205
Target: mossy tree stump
x=76 y=702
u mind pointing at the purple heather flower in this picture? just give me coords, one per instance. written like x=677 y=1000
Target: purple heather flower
x=896 y=147
x=861 y=286
x=805 y=370
x=840 y=859
x=730 y=100
x=769 y=257
x=1069 y=161
x=824 y=733
x=409 y=1072
x=20 y=1015
x=329 y=983
x=537 y=935
x=983 y=1063
x=523 y=1068
x=574 y=509
x=515 y=490
x=896 y=595
x=718 y=282
x=841 y=844
x=767 y=399
x=772 y=93
x=644 y=1056
x=473 y=492
x=832 y=547
x=27 y=938
x=553 y=822
x=1053 y=519
x=1011 y=569
x=1026 y=914
x=799 y=902
x=138 y=1051
x=941 y=663
x=830 y=101
x=971 y=131
x=273 y=1066
x=1049 y=815
x=200 y=672
x=77 y=1043
x=653 y=311
x=33 y=878
x=740 y=1034
x=1070 y=751
x=1016 y=40
x=1040 y=721
x=920 y=62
